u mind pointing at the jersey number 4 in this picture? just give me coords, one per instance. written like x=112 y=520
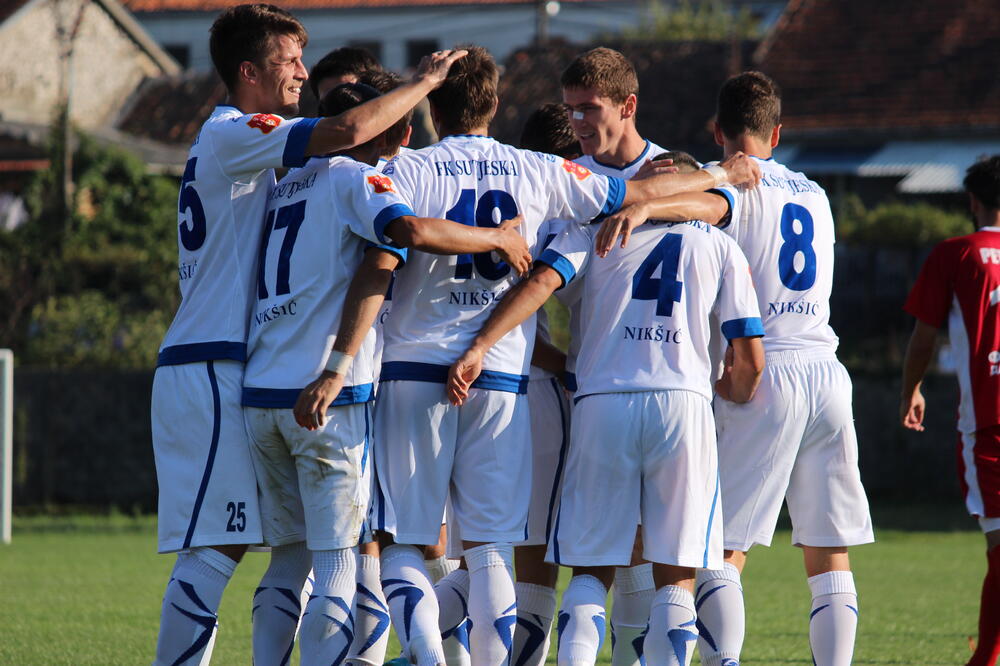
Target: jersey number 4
x=467 y=211
x=289 y=218
x=666 y=289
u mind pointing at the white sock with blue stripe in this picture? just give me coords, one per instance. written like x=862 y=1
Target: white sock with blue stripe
x=536 y=606
x=453 y=616
x=327 y=630
x=582 y=621
x=833 y=621
x=277 y=604
x=439 y=567
x=189 y=615
x=371 y=615
x=718 y=600
x=412 y=604
x=631 y=598
x=672 y=633
x=492 y=604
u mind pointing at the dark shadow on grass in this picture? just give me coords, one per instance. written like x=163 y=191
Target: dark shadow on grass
x=912 y=516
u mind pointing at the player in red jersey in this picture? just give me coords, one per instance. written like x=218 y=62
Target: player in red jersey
x=960 y=285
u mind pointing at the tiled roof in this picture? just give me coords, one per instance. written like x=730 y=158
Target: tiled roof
x=218 y=5
x=894 y=65
x=172 y=109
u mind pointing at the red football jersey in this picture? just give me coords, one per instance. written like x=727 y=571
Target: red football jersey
x=960 y=284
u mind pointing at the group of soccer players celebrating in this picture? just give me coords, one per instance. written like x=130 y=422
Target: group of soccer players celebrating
x=360 y=359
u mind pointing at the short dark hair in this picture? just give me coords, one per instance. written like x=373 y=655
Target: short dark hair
x=749 y=103
x=982 y=180
x=384 y=81
x=338 y=62
x=606 y=71
x=466 y=98
x=547 y=130
x=685 y=162
x=345 y=96
x=246 y=33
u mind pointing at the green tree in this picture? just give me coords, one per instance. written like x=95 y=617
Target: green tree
x=695 y=20
x=94 y=286
x=901 y=225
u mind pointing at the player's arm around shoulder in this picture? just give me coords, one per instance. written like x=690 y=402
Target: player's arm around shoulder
x=712 y=207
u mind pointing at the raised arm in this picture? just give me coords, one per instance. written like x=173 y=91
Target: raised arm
x=742 y=369
x=919 y=353
x=361 y=305
x=516 y=306
x=366 y=121
x=436 y=236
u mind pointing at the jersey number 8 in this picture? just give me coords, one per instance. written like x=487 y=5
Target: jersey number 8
x=796 y=242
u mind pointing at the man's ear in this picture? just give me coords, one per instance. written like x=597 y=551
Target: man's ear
x=248 y=73
x=776 y=135
x=720 y=138
x=629 y=107
x=407 y=136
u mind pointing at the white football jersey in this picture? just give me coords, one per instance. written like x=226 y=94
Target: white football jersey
x=224 y=190
x=624 y=172
x=542 y=317
x=441 y=302
x=647 y=307
x=785 y=228
x=320 y=219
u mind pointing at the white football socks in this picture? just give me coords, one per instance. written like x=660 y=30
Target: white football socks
x=371 y=615
x=833 y=621
x=440 y=567
x=721 y=621
x=453 y=617
x=277 y=604
x=536 y=606
x=631 y=595
x=327 y=629
x=412 y=603
x=189 y=615
x=492 y=604
x=672 y=631
x=582 y=621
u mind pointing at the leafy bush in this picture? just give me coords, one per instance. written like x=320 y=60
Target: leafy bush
x=900 y=225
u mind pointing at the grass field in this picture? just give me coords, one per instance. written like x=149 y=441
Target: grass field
x=87 y=591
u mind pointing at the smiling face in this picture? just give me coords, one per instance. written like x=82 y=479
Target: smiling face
x=599 y=123
x=279 y=78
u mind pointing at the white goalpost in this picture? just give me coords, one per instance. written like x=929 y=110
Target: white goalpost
x=6 y=441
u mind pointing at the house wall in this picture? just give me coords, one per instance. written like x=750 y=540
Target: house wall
x=107 y=64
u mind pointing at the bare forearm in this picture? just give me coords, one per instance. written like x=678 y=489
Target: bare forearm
x=748 y=365
x=667 y=184
x=548 y=357
x=430 y=234
x=919 y=353
x=365 y=121
x=364 y=300
x=520 y=303
x=687 y=206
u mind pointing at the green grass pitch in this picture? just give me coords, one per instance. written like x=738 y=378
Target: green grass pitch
x=87 y=591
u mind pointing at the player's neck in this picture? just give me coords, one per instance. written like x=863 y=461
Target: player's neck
x=625 y=151
x=476 y=131
x=750 y=145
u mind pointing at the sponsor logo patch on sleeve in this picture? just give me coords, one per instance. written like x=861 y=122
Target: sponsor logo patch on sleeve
x=265 y=122
x=381 y=184
x=581 y=172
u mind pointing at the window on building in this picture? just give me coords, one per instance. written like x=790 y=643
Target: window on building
x=180 y=52
x=418 y=48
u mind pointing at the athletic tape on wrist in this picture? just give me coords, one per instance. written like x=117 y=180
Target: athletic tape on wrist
x=718 y=173
x=339 y=362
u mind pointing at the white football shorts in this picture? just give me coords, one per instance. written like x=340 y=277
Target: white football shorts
x=550 y=410
x=427 y=451
x=314 y=484
x=207 y=489
x=648 y=454
x=794 y=441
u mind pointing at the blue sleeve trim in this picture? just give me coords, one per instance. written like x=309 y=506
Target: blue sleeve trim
x=272 y=398
x=728 y=196
x=616 y=195
x=400 y=252
x=569 y=381
x=559 y=264
x=747 y=327
x=297 y=141
x=491 y=380
x=202 y=351
x=387 y=215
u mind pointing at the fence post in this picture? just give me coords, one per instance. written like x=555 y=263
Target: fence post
x=6 y=442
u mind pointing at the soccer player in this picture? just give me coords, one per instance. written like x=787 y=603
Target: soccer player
x=427 y=451
x=643 y=441
x=208 y=510
x=600 y=90
x=348 y=64
x=959 y=285
x=313 y=483
x=795 y=440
